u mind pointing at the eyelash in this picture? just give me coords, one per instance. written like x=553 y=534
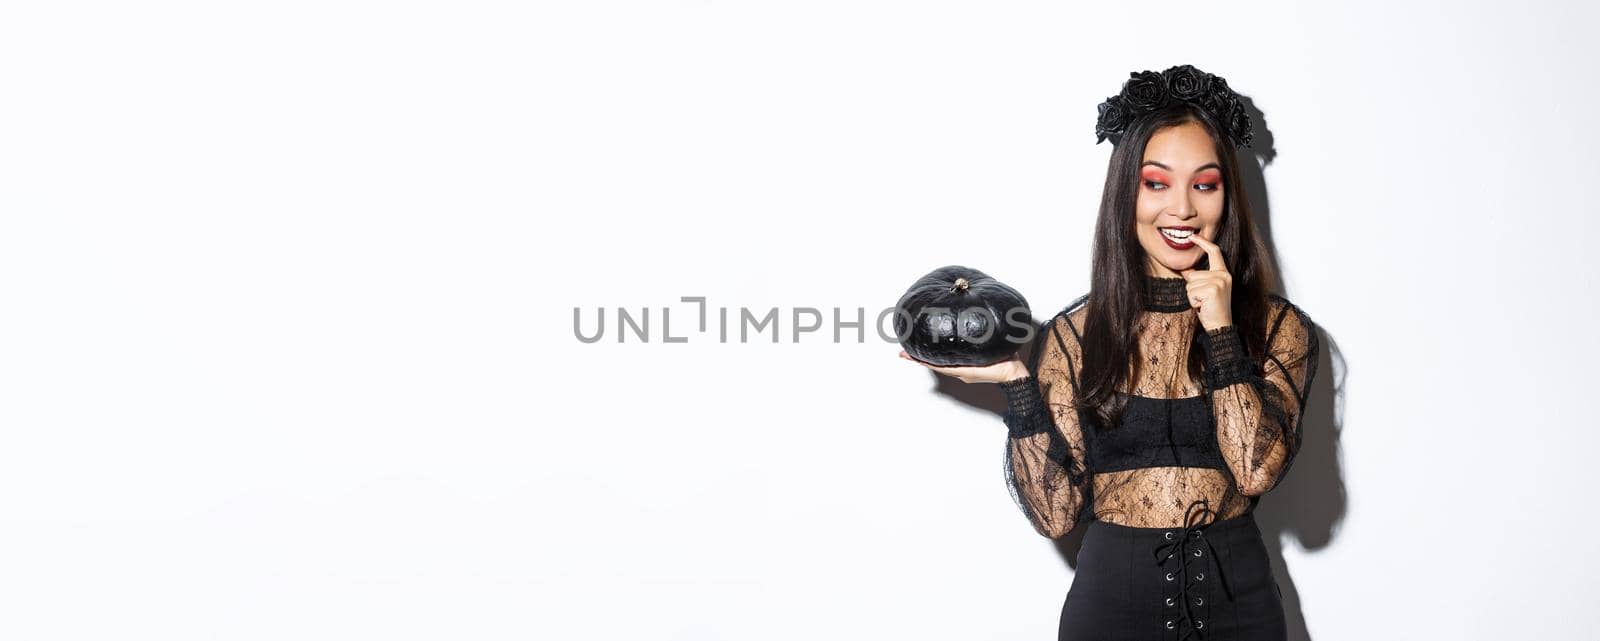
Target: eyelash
x=1151 y=183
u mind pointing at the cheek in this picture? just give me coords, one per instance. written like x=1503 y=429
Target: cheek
x=1147 y=207
x=1211 y=205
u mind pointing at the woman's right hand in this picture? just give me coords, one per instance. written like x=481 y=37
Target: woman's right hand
x=1007 y=370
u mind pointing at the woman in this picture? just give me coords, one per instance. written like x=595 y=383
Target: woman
x=1161 y=405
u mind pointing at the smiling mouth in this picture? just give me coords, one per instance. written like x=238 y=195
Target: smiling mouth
x=1177 y=235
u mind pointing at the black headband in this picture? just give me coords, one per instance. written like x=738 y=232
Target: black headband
x=1146 y=92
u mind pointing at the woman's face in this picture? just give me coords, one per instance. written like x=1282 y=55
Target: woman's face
x=1180 y=192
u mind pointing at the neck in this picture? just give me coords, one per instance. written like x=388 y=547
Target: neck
x=1166 y=293
x=1155 y=268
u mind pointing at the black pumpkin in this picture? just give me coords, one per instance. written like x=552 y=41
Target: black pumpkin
x=960 y=316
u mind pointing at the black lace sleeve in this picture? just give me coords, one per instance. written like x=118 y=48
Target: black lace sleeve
x=1258 y=406
x=1045 y=465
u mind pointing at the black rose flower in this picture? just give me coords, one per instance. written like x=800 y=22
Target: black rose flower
x=1220 y=85
x=1185 y=82
x=1216 y=98
x=1145 y=91
x=1113 y=118
x=1238 y=121
x=1216 y=102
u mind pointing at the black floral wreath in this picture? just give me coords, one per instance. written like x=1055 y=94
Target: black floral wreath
x=1148 y=91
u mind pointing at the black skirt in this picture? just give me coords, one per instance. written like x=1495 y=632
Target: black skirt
x=1209 y=582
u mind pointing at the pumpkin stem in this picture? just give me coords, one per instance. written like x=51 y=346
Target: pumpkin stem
x=961 y=285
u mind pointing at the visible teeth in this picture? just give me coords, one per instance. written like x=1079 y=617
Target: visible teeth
x=1178 y=235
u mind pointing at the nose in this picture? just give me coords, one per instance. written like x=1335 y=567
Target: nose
x=1183 y=209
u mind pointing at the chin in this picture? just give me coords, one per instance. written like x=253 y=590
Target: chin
x=1173 y=259
x=1179 y=267
x=1190 y=258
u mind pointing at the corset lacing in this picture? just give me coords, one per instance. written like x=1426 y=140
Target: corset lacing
x=1181 y=547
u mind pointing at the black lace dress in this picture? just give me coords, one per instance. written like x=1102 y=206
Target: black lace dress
x=1172 y=550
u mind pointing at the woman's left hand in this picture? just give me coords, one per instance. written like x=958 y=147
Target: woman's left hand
x=1211 y=290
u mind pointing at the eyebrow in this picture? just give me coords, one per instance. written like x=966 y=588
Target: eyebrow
x=1209 y=165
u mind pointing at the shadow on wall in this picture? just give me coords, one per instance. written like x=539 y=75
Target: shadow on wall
x=1310 y=502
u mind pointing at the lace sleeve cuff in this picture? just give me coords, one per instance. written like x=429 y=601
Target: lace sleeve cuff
x=1226 y=362
x=1026 y=414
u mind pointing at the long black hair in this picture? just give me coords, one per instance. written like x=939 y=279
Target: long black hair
x=1119 y=266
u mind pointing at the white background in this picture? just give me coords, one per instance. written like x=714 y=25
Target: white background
x=287 y=347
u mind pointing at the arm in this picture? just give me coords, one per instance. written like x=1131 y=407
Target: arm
x=1045 y=464
x=1258 y=408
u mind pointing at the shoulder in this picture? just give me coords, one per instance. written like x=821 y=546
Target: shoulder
x=1286 y=321
x=1069 y=321
x=1059 y=336
x=1280 y=308
x=1066 y=326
